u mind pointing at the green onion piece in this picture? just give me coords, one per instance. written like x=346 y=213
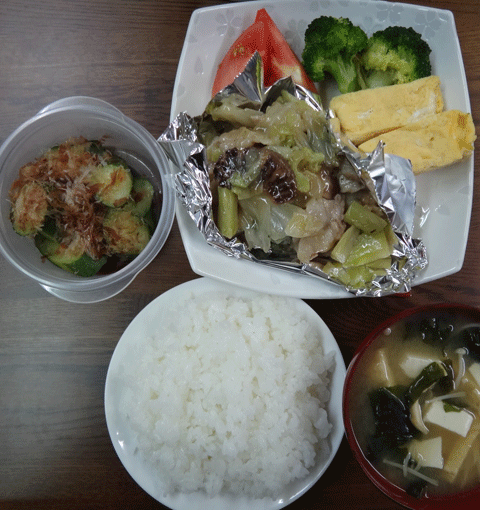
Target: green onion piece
x=227 y=212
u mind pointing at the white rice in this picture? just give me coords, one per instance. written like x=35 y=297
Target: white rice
x=231 y=397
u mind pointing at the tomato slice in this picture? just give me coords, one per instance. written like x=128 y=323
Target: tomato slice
x=278 y=58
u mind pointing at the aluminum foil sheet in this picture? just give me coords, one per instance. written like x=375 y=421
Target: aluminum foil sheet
x=389 y=178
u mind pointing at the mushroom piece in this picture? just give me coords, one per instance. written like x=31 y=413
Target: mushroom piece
x=416 y=417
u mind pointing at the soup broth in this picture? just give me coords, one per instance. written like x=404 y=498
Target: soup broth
x=415 y=403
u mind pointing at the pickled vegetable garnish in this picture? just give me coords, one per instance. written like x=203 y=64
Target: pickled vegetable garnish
x=83 y=206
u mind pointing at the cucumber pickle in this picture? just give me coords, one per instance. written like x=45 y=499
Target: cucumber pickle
x=86 y=210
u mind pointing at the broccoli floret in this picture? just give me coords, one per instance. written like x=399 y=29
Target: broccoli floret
x=331 y=46
x=394 y=55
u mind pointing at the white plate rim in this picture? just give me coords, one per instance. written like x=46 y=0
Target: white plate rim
x=124 y=444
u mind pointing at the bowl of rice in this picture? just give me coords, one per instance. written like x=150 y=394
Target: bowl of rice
x=221 y=397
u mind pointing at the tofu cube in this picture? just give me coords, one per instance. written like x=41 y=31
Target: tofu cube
x=460 y=451
x=413 y=364
x=474 y=371
x=458 y=422
x=427 y=452
x=381 y=373
x=472 y=389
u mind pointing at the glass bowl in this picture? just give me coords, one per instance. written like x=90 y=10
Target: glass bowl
x=92 y=119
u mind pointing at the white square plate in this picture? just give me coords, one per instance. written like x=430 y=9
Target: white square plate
x=444 y=197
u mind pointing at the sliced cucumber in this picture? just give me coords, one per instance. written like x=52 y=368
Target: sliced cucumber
x=150 y=220
x=125 y=232
x=70 y=257
x=85 y=266
x=141 y=197
x=114 y=182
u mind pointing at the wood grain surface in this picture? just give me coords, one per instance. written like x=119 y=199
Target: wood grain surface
x=55 y=450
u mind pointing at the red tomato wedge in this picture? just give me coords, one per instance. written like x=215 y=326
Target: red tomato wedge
x=278 y=58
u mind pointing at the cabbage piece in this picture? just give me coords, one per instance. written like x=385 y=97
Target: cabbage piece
x=318 y=214
x=291 y=122
x=323 y=184
x=235 y=115
x=252 y=165
x=302 y=160
x=264 y=222
x=368 y=248
x=345 y=245
x=353 y=277
x=240 y=138
x=233 y=109
x=364 y=219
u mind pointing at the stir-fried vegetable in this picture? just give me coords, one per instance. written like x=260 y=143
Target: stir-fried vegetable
x=280 y=186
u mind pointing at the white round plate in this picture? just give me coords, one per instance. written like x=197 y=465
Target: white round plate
x=150 y=320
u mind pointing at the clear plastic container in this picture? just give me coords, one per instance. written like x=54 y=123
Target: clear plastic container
x=92 y=119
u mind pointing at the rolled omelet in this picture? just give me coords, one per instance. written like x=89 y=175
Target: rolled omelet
x=432 y=142
x=368 y=113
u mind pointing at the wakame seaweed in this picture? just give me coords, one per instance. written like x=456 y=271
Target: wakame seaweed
x=416 y=488
x=393 y=427
x=430 y=375
x=470 y=338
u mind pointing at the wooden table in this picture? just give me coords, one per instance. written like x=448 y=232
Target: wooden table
x=55 y=450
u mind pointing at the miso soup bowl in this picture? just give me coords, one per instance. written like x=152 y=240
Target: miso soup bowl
x=459 y=501
x=92 y=119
